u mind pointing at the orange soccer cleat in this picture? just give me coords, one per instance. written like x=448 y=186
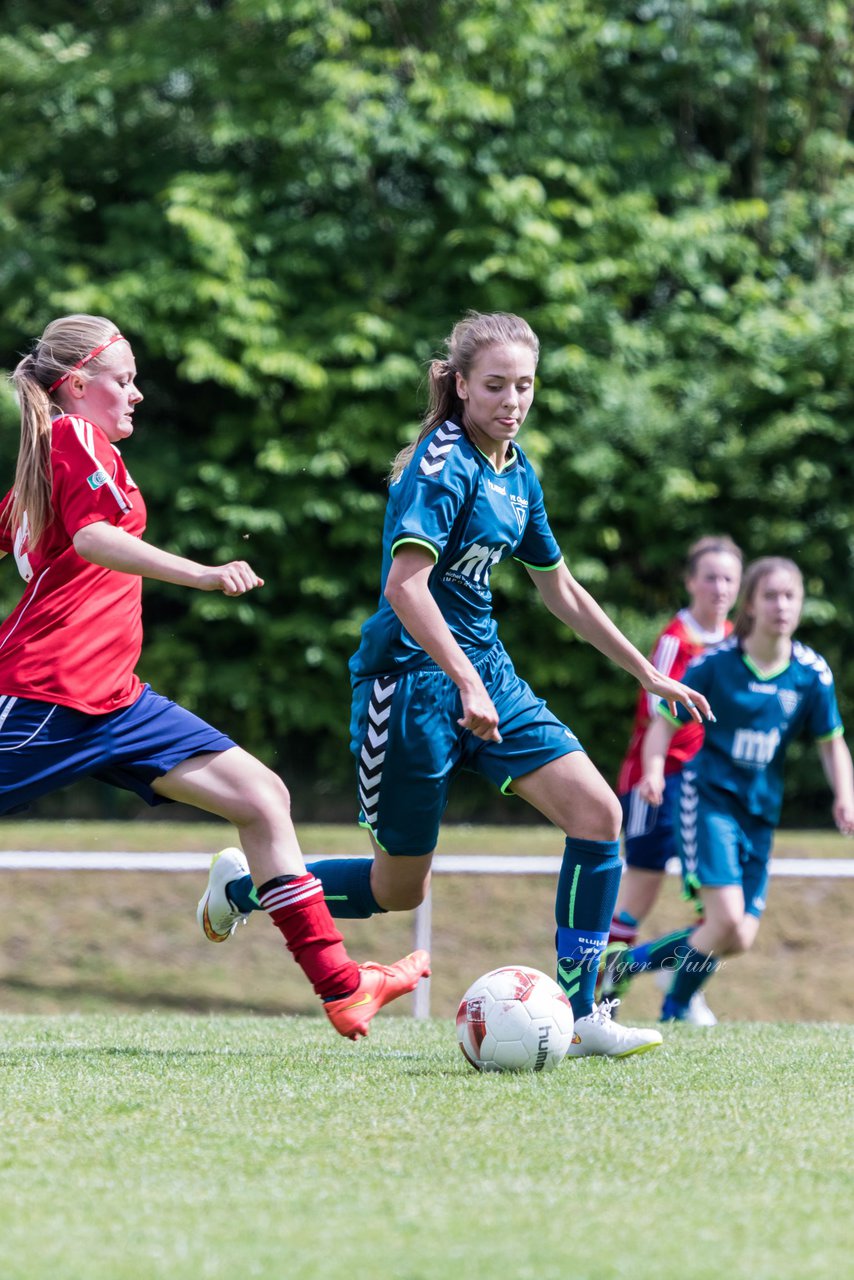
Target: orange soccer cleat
x=378 y=985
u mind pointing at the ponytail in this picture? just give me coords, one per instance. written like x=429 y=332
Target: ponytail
x=66 y=344
x=443 y=403
x=33 y=476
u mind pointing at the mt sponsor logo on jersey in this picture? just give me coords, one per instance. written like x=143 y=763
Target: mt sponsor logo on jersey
x=97 y=478
x=753 y=747
x=474 y=565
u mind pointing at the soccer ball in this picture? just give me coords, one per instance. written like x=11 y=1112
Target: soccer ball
x=514 y=1019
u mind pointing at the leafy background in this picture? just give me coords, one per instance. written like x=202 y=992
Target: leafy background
x=286 y=204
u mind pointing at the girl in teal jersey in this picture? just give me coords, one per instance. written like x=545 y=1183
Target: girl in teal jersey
x=767 y=689
x=435 y=692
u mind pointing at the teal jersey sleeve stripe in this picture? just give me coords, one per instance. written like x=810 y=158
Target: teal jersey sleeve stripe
x=829 y=737
x=415 y=542
x=663 y=711
x=542 y=568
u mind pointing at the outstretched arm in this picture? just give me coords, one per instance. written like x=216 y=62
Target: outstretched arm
x=839 y=771
x=567 y=600
x=114 y=548
x=656 y=743
x=408 y=594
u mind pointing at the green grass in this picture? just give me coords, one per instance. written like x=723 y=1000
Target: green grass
x=205 y=1148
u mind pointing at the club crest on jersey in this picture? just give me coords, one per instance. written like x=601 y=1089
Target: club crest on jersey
x=97 y=478
x=520 y=510
x=789 y=700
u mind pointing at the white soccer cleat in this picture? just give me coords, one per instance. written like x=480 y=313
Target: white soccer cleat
x=597 y=1035
x=699 y=1014
x=216 y=914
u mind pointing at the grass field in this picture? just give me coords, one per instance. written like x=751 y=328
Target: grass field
x=169 y=1112
x=167 y=1146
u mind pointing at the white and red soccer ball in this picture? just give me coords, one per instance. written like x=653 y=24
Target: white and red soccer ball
x=514 y=1019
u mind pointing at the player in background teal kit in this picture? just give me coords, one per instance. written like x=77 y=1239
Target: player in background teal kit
x=435 y=692
x=766 y=689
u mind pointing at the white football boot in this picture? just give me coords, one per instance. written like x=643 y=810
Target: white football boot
x=699 y=1014
x=598 y=1035
x=216 y=914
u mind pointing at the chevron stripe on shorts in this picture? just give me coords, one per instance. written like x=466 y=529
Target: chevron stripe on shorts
x=688 y=802
x=373 y=751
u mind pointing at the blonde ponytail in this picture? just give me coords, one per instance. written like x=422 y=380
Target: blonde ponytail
x=65 y=345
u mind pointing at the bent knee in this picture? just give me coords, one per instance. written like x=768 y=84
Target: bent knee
x=733 y=936
x=606 y=816
x=744 y=935
x=265 y=796
x=392 y=896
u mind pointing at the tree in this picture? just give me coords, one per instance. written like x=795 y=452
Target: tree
x=287 y=206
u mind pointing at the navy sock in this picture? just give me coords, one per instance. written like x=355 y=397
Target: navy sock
x=694 y=971
x=658 y=953
x=241 y=894
x=586 y=896
x=346 y=888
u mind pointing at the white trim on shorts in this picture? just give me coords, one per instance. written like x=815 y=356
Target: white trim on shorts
x=10 y=701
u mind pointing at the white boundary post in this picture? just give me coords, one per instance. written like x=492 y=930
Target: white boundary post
x=423 y=934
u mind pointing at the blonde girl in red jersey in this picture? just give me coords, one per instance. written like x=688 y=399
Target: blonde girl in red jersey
x=71 y=704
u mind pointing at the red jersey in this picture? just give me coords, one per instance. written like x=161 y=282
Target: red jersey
x=680 y=641
x=76 y=634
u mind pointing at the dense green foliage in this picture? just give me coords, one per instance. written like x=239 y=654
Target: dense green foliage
x=286 y=205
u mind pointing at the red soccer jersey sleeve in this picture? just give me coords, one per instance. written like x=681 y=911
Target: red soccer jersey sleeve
x=677 y=645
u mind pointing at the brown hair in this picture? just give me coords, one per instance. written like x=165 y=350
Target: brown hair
x=753 y=575
x=469 y=336
x=65 y=343
x=713 y=544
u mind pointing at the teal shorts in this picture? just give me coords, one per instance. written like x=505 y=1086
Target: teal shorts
x=721 y=844
x=408 y=745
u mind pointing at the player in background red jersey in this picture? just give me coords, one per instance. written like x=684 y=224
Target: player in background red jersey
x=71 y=704
x=712 y=579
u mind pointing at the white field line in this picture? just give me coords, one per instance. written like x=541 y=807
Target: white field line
x=455 y=863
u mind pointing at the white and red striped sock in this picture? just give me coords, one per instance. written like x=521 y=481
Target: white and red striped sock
x=295 y=905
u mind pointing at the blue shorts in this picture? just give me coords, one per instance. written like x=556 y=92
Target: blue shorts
x=408 y=746
x=45 y=746
x=721 y=844
x=649 y=835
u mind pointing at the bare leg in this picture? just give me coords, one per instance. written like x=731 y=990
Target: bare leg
x=399 y=884
x=726 y=928
x=572 y=794
x=639 y=889
x=236 y=786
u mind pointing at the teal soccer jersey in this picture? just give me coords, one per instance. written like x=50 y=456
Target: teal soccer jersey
x=452 y=502
x=757 y=716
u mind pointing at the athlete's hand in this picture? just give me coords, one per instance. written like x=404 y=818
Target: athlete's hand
x=651 y=788
x=479 y=714
x=233 y=579
x=843 y=816
x=672 y=692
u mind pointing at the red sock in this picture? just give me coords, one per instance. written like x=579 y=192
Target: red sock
x=298 y=910
x=622 y=932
